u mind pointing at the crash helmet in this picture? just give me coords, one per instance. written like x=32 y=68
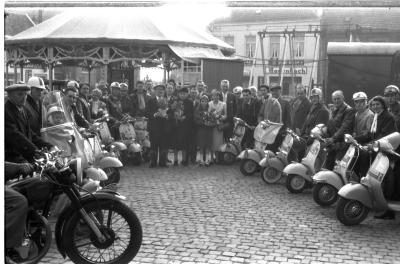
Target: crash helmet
x=36 y=82
x=316 y=91
x=237 y=90
x=73 y=84
x=55 y=115
x=360 y=96
x=391 y=89
x=123 y=86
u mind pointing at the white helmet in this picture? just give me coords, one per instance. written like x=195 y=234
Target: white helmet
x=36 y=82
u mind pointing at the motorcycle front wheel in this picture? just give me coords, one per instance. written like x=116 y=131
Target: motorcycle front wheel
x=351 y=212
x=119 y=225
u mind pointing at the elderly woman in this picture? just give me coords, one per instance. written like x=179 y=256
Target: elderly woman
x=97 y=107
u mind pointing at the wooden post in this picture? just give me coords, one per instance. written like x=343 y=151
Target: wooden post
x=6 y=80
x=21 y=67
x=51 y=76
x=262 y=58
x=15 y=73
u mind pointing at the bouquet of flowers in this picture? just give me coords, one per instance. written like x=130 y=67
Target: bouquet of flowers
x=162 y=108
x=208 y=119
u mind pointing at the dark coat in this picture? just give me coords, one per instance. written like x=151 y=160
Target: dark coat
x=299 y=111
x=135 y=104
x=184 y=132
x=34 y=112
x=83 y=107
x=317 y=114
x=285 y=106
x=385 y=126
x=157 y=125
x=395 y=111
x=248 y=112
x=114 y=107
x=231 y=106
x=341 y=122
x=20 y=141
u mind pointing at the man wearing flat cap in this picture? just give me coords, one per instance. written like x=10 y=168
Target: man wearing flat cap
x=392 y=94
x=20 y=141
x=33 y=103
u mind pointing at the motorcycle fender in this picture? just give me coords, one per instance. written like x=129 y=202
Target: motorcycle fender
x=296 y=168
x=119 y=145
x=109 y=162
x=70 y=210
x=330 y=178
x=358 y=192
x=251 y=155
x=276 y=164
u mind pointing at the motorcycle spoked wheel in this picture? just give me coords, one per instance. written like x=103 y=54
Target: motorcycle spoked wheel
x=248 y=167
x=228 y=158
x=113 y=175
x=295 y=183
x=325 y=194
x=351 y=212
x=118 y=223
x=270 y=175
x=40 y=236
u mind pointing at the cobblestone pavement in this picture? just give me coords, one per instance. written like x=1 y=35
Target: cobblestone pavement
x=216 y=215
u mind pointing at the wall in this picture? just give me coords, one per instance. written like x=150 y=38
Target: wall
x=216 y=70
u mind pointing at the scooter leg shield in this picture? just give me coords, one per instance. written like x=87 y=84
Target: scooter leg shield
x=243 y=154
x=276 y=164
x=298 y=169
x=108 y=162
x=252 y=155
x=330 y=178
x=358 y=192
x=223 y=148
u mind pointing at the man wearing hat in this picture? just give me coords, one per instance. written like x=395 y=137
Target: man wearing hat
x=126 y=102
x=158 y=124
x=299 y=108
x=139 y=99
x=33 y=103
x=20 y=141
x=230 y=100
x=391 y=94
x=276 y=92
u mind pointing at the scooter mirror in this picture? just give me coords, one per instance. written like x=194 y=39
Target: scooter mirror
x=375 y=146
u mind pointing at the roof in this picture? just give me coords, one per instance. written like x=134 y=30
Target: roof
x=15 y=23
x=113 y=26
x=360 y=48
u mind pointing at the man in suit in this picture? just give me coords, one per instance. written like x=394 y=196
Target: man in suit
x=230 y=100
x=299 y=108
x=139 y=99
x=158 y=123
x=248 y=108
x=20 y=141
x=33 y=103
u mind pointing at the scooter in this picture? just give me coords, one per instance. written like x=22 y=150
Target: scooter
x=142 y=136
x=273 y=164
x=327 y=183
x=230 y=150
x=264 y=134
x=299 y=175
x=357 y=199
x=128 y=137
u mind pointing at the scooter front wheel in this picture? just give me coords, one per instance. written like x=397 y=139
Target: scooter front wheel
x=325 y=194
x=248 y=167
x=270 y=175
x=351 y=212
x=228 y=158
x=295 y=183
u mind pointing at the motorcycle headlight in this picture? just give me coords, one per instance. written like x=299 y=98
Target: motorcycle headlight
x=375 y=146
x=348 y=138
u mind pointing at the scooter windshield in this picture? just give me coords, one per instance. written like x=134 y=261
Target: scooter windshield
x=58 y=128
x=266 y=132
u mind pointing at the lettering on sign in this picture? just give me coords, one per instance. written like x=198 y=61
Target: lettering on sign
x=297 y=70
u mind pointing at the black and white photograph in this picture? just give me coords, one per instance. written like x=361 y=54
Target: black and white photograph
x=200 y=131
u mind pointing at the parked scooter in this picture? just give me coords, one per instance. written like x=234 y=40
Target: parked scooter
x=229 y=151
x=357 y=199
x=327 y=183
x=264 y=134
x=299 y=175
x=273 y=164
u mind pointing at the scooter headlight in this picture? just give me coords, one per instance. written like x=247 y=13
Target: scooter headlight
x=375 y=146
x=348 y=138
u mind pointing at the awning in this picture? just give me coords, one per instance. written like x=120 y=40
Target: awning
x=195 y=54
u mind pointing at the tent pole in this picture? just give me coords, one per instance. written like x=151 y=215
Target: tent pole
x=15 y=73
x=51 y=76
x=22 y=72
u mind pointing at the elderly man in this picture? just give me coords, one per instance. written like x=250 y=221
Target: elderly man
x=391 y=94
x=200 y=86
x=33 y=103
x=299 y=108
x=230 y=100
x=340 y=123
x=20 y=141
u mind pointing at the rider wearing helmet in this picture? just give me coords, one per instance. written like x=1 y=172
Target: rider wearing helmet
x=392 y=94
x=34 y=103
x=363 y=117
x=55 y=116
x=126 y=102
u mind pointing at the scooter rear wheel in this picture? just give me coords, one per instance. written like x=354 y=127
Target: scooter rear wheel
x=270 y=175
x=325 y=194
x=295 y=183
x=228 y=158
x=351 y=212
x=248 y=167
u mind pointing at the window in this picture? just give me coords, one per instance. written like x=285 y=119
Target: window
x=274 y=43
x=230 y=40
x=250 y=46
x=191 y=67
x=260 y=80
x=298 y=46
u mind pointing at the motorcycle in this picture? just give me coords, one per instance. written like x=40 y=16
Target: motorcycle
x=87 y=230
x=328 y=183
x=299 y=174
x=357 y=199
x=264 y=134
x=273 y=164
x=229 y=151
x=59 y=129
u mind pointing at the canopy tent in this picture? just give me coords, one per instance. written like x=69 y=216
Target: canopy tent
x=96 y=36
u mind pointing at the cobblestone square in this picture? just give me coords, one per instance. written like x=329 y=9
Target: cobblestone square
x=217 y=215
